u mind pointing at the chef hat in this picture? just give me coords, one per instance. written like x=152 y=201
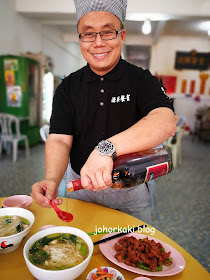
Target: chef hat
x=115 y=7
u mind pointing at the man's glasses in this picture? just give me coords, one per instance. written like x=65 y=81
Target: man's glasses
x=105 y=35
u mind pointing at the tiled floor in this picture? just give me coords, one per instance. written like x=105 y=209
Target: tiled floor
x=181 y=199
x=181 y=209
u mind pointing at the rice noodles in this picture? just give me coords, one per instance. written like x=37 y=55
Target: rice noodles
x=10 y=225
x=60 y=255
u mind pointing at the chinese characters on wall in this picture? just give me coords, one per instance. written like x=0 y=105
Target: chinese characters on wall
x=192 y=60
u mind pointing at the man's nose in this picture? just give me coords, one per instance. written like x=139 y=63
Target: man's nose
x=98 y=40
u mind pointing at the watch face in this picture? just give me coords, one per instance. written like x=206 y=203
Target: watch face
x=106 y=147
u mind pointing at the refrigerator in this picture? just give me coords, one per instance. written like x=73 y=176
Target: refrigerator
x=19 y=93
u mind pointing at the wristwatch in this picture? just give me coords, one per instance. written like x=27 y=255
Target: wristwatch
x=106 y=148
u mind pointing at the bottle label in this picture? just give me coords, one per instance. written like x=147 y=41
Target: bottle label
x=156 y=170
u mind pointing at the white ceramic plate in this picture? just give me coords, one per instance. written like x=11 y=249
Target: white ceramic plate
x=111 y=270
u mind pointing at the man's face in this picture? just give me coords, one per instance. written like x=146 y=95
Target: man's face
x=101 y=55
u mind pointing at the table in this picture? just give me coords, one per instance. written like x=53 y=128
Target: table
x=87 y=216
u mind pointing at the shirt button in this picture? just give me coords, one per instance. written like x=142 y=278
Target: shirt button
x=102 y=103
x=102 y=90
x=102 y=79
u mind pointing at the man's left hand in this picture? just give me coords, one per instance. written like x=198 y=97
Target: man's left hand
x=96 y=174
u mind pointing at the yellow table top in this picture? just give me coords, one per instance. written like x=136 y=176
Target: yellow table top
x=88 y=216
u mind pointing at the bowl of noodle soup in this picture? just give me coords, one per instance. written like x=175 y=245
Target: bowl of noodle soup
x=15 y=224
x=59 y=252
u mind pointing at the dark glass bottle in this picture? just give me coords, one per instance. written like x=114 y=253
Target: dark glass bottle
x=133 y=169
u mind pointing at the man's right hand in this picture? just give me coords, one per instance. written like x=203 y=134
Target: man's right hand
x=44 y=191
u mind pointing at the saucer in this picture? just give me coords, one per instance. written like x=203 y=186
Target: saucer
x=111 y=270
x=21 y=201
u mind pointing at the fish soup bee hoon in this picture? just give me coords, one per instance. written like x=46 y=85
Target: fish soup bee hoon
x=15 y=224
x=58 y=251
x=10 y=225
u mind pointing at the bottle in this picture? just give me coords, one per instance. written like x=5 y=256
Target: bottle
x=133 y=169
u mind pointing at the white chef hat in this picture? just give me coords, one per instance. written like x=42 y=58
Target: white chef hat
x=115 y=7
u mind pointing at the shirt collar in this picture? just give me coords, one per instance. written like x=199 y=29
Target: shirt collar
x=114 y=74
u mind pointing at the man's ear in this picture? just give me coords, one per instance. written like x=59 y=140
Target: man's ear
x=123 y=35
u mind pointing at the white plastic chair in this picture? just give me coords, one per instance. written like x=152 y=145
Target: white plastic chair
x=8 y=136
x=175 y=147
x=44 y=132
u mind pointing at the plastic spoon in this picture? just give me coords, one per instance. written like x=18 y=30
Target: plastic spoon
x=64 y=216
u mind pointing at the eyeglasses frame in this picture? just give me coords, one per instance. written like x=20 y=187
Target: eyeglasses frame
x=95 y=33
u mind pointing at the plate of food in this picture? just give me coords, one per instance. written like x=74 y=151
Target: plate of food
x=143 y=254
x=105 y=273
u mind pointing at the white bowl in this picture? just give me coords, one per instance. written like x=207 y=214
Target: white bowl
x=66 y=274
x=15 y=240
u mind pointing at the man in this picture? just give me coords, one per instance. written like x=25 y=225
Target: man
x=111 y=100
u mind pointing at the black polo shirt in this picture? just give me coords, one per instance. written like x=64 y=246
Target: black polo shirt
x=93 y=108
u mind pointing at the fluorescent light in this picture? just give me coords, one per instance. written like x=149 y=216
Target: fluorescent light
x=205 y=25
x=146 y=28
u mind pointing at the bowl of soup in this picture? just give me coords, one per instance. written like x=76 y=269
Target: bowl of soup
x=15 y=224
x=59 y=252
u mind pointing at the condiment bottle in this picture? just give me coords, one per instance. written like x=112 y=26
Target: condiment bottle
x=136 y=168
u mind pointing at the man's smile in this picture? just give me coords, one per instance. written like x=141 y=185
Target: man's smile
x=100 y=55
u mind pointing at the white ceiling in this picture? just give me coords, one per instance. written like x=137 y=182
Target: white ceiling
x=180 y=17
x=137 y=54
x=185 y=26
x=176 y=25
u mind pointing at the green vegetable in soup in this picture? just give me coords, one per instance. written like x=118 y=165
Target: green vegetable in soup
x=42 y=256
x=63 y=236
x=83 y=249
x=78 y=246
x=20 y=228
x=31 y=259
x=34 y=248
x=73 y=238
x=44 y=241
x=8 y=221
x=24 y=221
x=54 y=235
x=39 y=257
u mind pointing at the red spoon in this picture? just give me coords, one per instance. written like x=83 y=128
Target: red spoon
x=64 y=216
